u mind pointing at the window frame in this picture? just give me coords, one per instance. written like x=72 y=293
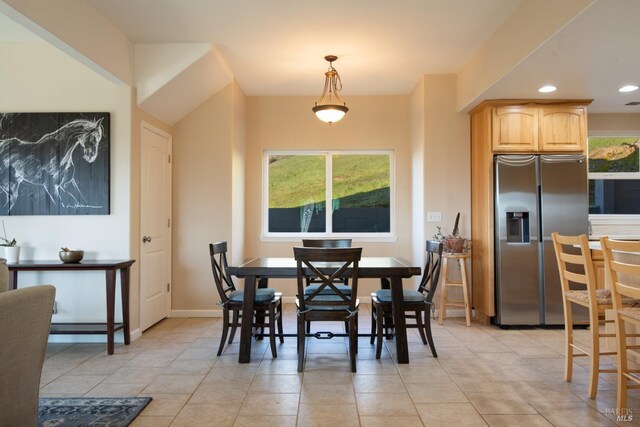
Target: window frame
x=267 y=236
x=611 y=219
x=612 y=175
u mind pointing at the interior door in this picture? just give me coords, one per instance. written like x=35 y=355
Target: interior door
x=155 y=226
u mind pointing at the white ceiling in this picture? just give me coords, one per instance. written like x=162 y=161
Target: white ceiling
x=593 y=56
x=277 y=47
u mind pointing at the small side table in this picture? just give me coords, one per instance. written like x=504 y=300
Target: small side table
x=461 y=260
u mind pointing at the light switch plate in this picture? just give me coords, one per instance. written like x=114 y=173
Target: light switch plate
x=434 y=216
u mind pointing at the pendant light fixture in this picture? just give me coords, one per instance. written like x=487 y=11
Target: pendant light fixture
x=330 y=108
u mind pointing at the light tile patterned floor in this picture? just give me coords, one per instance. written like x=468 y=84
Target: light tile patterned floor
x=483 y=376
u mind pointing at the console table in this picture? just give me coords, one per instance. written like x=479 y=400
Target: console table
x=109 y=267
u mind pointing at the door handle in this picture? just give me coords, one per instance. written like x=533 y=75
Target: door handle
x=146 y=239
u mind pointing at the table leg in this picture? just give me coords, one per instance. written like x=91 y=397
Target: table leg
x=13 y=279
x=124 y=290
x=111 y=303
x=397 y=305
x=247 y=319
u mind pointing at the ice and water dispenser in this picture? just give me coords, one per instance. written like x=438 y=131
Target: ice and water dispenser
x=518 y=227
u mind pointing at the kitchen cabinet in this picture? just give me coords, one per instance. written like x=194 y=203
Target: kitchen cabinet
x=562 y=128
x=538 y=129
x=515 y=129
x=503 y=127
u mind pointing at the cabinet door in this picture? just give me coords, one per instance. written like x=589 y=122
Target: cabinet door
x=563 y=129
x=515 y=129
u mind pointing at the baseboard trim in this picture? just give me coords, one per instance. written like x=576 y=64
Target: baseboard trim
x=196 y=313
x=135 y=334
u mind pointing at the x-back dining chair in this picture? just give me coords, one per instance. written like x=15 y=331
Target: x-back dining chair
x=624 y=277
x=416 y=303
x=312 y=284
x=319 y=306
x=232 y=299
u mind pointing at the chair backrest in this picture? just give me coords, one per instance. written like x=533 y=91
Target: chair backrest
x=431 y=274
x=326 y=243
x=575 y=264
x=4 y=275
x=624 y=273
x=327 y=265
x=224 y=284
x=25 y=321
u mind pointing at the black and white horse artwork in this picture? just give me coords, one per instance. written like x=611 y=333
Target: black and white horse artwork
x=54 y=164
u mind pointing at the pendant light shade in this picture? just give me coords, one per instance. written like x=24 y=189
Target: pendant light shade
x=329 y=108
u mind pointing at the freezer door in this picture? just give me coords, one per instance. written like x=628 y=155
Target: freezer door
x=516 y=240
x=565 y=209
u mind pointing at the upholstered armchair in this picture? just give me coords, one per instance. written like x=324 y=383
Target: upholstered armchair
x=25 y=320
x=4 y=275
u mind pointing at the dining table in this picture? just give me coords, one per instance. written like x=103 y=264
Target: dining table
x=390 y=270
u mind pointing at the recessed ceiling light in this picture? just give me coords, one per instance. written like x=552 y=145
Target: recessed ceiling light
x=547 y=89
x=628 y=88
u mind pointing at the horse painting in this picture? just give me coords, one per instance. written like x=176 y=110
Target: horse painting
x=48 y=166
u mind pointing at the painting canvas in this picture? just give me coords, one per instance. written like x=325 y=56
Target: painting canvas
x=54 y=163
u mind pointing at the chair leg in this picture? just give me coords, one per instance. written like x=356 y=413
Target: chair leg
x=568 y=341
x=234 y=326
x=272 y=330
x=427 y=329
x=373 y=324
x=225 y=329
x=353 y=343
x=301 y=339
x=380 y=322
x=621 y=340
x=595 y=354
x=280 y=333
x=421 y=327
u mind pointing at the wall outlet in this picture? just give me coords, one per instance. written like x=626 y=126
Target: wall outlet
x=55 y=307
x=434 y=216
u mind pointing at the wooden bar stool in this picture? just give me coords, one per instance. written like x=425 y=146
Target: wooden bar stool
x=461 y=260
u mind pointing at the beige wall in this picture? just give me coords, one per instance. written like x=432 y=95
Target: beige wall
x=614 y=122
x=36 y=77
x=287 y=123
x=417 y=171
x=203 y=152
x=447 y=159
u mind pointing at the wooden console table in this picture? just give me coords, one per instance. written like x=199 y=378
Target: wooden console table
x=109 y=267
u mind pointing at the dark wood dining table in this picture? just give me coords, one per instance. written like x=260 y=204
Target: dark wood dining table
x=389 y=269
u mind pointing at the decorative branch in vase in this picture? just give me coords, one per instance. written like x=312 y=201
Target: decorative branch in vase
x=453 y=243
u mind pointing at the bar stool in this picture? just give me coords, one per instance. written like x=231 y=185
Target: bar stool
x=461 y=260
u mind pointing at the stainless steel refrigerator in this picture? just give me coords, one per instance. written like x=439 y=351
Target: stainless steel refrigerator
x=535 y=195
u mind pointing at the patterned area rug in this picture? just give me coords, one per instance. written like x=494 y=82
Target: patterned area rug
x=88 y=411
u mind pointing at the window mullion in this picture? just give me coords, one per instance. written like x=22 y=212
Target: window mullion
x=329 y=192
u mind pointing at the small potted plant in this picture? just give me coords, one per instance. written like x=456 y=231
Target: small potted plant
x=453 y=243
x=11 y=248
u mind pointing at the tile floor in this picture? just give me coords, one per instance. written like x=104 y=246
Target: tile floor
x=483 y=376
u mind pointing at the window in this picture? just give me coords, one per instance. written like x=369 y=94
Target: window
x=358 y=186
x=614 y=175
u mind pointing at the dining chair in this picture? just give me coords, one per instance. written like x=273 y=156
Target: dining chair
x=624 y=279
x=313 y=284
x=416 y=303
x=25 y=321
x=319 y=306
x=575 y=267
x=231 y=299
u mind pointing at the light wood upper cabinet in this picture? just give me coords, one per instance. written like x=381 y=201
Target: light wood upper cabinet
x=562 y=128
x=515 y=129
